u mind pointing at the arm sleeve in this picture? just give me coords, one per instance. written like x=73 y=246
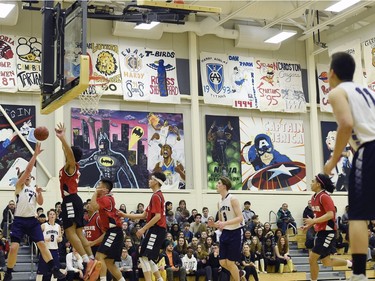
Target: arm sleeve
x=69 y=262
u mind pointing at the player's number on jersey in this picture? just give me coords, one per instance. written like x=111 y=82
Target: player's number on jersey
x=225 y=216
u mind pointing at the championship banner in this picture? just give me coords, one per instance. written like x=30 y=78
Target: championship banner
x=353 y=48
x=14 y=155
x=223 y=150
x=215 y=85
x=340 y=174
x=273 y=154
x=29 y=50
x=133 y=72
x=267 y=86
x=8 y=66
x=161 y=76
x=241 y=70
x=115 y=145
x=105 y=63
x=323 y=84
x=290 y=82
x=368 y=49
x=166 y=152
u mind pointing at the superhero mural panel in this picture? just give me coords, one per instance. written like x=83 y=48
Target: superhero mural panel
x=14 y=155
x=272 y=154
x=340 y=175
x=115 y=145
x=223 y=150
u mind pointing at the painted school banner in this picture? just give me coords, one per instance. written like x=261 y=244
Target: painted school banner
x=105 y=63
x=323 y=85
x=8 y=64
x=368 y=49
x=273 y=153
x=340 y=174
x=115 y=144
x=14 y=155
x=29 y=51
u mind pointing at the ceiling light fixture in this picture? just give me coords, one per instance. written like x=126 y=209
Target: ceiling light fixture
x=146 y=26
x=341 y=5
x=283 y=35
x=5 y=9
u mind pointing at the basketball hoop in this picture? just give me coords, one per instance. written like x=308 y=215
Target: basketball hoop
x=89 y=99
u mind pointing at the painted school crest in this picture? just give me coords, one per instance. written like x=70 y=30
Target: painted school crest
x=215 y=76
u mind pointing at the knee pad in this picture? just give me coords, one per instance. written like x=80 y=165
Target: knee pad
x=153 y=266
x=145 y=264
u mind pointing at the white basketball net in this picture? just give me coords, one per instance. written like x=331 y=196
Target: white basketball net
x=89 y=99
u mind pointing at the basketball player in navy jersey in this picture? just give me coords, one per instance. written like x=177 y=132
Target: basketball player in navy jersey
x=25 y=221
x=230 y=223
x=354 y=109
x=154 y=229
x=324 y=226
x=72 y=205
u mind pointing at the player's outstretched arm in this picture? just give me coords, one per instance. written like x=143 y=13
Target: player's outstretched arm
x=70 y=163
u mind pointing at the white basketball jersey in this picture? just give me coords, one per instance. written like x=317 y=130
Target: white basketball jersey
x=362 y=103
x=26 y=202
x=227 y=212
x=51 y=232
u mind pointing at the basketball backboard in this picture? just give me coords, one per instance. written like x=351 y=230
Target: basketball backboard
x=65 y=65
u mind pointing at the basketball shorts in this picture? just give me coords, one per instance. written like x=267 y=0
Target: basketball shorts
x=323 y=244
x=72 y=211
x=29 y=226
x=112 y=243
x=361 y=184
x=231 y=244
x=153 y=242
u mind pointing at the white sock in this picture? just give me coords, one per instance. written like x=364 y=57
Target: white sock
x=85 y=258
x=121 y=279
x=349 y=263
x=92 y=257
x=104 y=278
x=160 y=279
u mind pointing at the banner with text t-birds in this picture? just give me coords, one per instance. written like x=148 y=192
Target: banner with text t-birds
x=214 y=69
x=133 y=72
x=322 y=70
x=368 y=48
x=8 y=67
x=161 y=76
x=29 y=50
x=290 y=82
x=267 y=85
x=105 y=63
x=241 y=73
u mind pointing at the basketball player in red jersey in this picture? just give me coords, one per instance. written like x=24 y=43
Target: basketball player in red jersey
x=324 y=224
x=72 y=205
x=156 y=228
x=110 y=248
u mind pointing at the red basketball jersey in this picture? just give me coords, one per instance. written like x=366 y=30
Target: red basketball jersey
x=157 y=206
x=69 y=183
x=108 y=212
x=93 y=228
x=322 y=203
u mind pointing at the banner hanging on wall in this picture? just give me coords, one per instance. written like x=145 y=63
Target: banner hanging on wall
x=223 y=150
x=117 y=145
x=368 y=49
x=340 y=174
x=105 y=63
x=273 y=154
x=28 y=53
x=14 y=155
x=323 y=84
x=8 y=65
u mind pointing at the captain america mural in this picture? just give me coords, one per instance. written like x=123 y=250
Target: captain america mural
x=273 y=156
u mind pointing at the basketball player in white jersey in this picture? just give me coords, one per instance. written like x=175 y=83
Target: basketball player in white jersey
x=354 y=109
x=25 y=221
x=52 y=236
x=230 y=223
